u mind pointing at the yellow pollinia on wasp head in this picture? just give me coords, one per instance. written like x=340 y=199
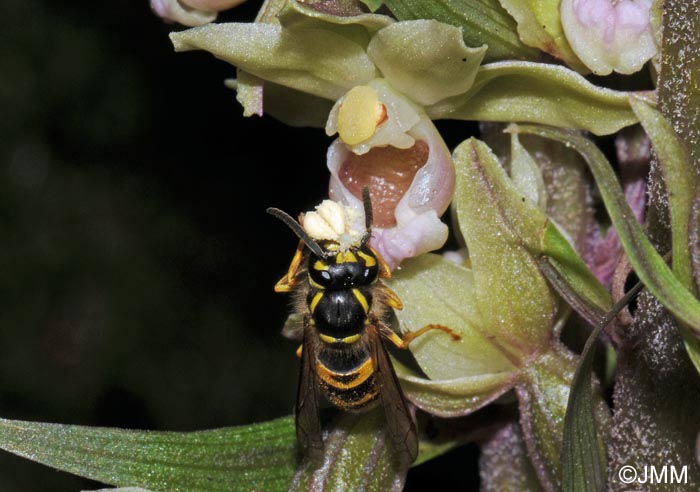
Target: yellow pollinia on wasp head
x=335 y=278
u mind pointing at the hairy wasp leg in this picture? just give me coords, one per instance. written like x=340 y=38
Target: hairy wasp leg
x=286 y=283
x=408 y=337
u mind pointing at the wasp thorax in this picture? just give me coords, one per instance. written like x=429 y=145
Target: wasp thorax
x=344 y=269
x=333 y=221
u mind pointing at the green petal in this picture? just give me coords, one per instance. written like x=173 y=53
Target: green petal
x=503 y=231
x=318 y=62
x=539 y=26
x=538 y=93
x=356 y=28
x=259 y=457
x=437 y=291
x=526 y=175
x=453 y=397
x=482 y=22
x=426 y=60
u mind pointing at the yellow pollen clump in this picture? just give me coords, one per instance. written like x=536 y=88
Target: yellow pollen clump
x=359 y=114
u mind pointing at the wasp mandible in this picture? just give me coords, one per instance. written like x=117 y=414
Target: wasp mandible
x=335 y=278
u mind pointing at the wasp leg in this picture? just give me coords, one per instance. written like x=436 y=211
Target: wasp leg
x=286 y=283
x=300 y=350
x=391 y=299
x=384 y=270
x=408 y=337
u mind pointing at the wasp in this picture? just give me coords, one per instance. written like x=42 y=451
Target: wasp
x=345 y=310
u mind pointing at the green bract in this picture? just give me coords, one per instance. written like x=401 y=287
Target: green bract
x=324 y=56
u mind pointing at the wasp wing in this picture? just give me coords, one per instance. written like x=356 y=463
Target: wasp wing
x=400 y=425
x=308 y=419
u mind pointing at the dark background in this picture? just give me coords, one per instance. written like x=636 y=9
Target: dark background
x=136 y=258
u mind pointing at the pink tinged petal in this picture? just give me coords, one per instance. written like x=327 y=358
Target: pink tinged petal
x=176 y=11
x=410 y=189
x=609 y=36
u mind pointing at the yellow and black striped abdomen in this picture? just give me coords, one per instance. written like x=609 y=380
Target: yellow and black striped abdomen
x=353 y=391
x=347 y=385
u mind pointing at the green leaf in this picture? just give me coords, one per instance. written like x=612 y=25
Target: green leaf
x=679 y=178
x=683 y=183
x=441 y=65
x=482 y=22
x=358 y=456
x=538 y=93
x=253 y=457
x=316 y=61
x=583 y=455
x=439 y=356
x=583 y=452
x=539 y=26
x=503 y=231
x=648 y=264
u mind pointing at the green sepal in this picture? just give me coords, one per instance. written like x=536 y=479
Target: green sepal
x=453 y=397
x=503 y=231
x=437 y=291
x=425 y=59
x=482 y=22
x=538 y=93
x=316 y=61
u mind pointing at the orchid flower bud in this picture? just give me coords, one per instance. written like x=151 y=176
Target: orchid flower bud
x=609 y=35
x=191 y=12
x=400 y=156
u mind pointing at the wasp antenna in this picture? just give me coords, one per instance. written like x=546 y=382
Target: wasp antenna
x=301 y=233
x=369 y=216
x=367 y=204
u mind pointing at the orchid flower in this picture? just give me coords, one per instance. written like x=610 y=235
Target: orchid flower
x=382 y=107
